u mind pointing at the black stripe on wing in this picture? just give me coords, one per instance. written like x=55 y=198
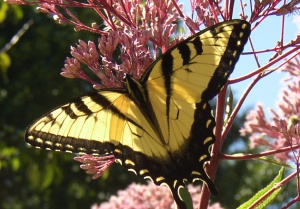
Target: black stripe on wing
x=167 y=68
x=185 y=50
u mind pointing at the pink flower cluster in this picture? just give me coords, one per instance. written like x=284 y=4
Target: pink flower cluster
x=95 y=165
x=282 y=131
x=148 y=197
x=138 y=31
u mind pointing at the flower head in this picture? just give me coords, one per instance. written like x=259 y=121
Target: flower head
x=282 y=131
x=95 y=165
x=148 y=196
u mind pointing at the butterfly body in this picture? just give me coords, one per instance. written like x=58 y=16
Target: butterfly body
x=160 y=126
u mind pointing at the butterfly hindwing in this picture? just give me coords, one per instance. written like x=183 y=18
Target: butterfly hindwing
x=161 y=126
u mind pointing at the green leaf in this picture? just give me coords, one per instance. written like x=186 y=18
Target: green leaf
x=268 y=160
x=48 y=176
x=265 y=202
x=275 y=162
x=3 y=11
x=17 y=11
x=186 y=197
x=8 y=158
x=4 y=62
x=15 y=164
x=34 y=176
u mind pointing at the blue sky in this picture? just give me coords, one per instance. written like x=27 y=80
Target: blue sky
x=267 y=34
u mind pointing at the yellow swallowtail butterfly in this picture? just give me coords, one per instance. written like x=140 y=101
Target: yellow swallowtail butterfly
x=160 y=126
